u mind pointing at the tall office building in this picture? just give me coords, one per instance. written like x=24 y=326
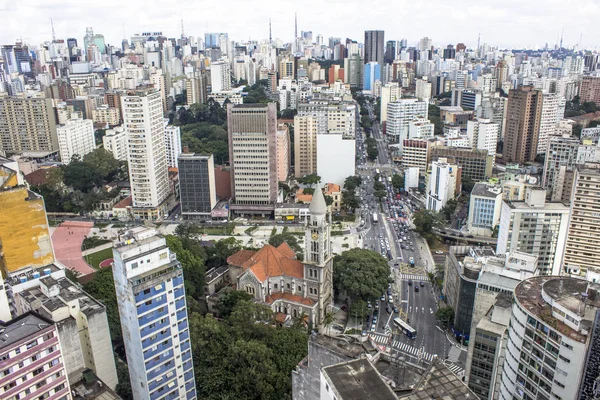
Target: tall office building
x=152 y=307
x=353 y=71
x=581 y=253
x=476 y=164
x=590 y=89
x=442 y=184
x=147 y=160
x=483 y=135
x=535 y=227
x=91 y=38
x=220 y=76
x=252 y=130
x=305 y=145
x=524 y=110
x=286 y=67
x=32 y=359
x=283 y=152
x=196 y=88
x=552 y=340
x=75 y=137
x=371 y=75
x=390 y=51
x=197 y=188
x=27 y=124
x=374 y=47
x=399 y=115
x=389 y=93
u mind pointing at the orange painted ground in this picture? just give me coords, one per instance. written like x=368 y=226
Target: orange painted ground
x=106 y=263
x=67 y=239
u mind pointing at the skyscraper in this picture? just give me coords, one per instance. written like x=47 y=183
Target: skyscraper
x=305 y=145
x=148 y=172
x=197 y=188
x=152 y=308
x=522 y=124
x=390 y=51
x=374 y=46
x=252 y=132
x=220 y=76
x=76 y=137
x=372 y=74
x=399 y=115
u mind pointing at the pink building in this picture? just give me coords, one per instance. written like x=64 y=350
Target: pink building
x=31 y=361
x=283 y=152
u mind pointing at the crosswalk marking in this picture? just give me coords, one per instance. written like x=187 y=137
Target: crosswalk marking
x=415 y=277
x=398 y=345
x=460 y=372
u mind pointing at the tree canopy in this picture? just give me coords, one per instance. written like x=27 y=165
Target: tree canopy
x=310 y=180
x=398 y=182
x=352 y=182
x=361 y=274
x=277 y=240
x=424 y=221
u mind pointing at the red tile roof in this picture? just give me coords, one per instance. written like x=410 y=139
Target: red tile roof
x=269 y=262
x=126 y=202
x=286 y=250
x=39 y=177
x=294 y=298
x=239 y=258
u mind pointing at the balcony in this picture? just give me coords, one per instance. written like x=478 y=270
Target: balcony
x=153 y=329
x=153 y=316
x=156 y=361
x=148 y=354
x=161 y=370
x=142 y=308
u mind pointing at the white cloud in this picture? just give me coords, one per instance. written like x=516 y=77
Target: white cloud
x=506 y=23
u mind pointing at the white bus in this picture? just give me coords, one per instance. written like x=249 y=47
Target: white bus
x=405 y=328
x=374 y=218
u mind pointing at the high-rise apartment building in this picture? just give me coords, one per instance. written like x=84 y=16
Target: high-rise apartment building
x=442 y=185
x=416 y=154
x=252 y=132
x=333 y=117
x=389 y=93
x=524 y=110
x=283 y=152
x=423 y=89
x=32 y=359
x=195 y=86
x=27 y=124
x=483 y=135
x=552 y=340
x=305 y=145
x=484 y=209
x=172 y=143
x=535 y=227
x=371 y=75
x=476 y=164
x=197 y=189
x=399 y=115
x=581 y=254
x=560 y=161
x=548 y=120
x=154 y=321
x=220 y=76
x=374 y=47
x=147 y=160
x=590 y=89
x=76 y=137
x=353 y=71
x=286 y=67
x=115 y=141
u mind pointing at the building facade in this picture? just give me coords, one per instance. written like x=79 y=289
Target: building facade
x=590 y=89
x=152 y=307
x=483 y=134
x=252 y=132
x=524 y=110
x=115 y=141
x=560 y=160
x=76 y=137
x=305 y=145
x=32 y=359
x=27 y=124
x=172 y=144
x=442 y=184
x=484 y=209
x=197 y=190
x=535 y=227
x=399 y=115
x=374 y=46
x=220 y=76
x=475 y=164
x=146 y=154
x=283 y=152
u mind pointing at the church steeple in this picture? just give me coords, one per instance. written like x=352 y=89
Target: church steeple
x=318 y=206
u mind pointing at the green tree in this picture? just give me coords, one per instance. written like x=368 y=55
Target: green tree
x=445 y=315
x=398 y=182
x=361 y=274
x=448 y=210
x=467 y=184
x=358 y=309
x=102 y=288
x=310 y=180
x=229 y=300
x=380 y=194
x=349 y=200
x=372 y=153
x=328 y=200
x=103 y=162
x=378 y=186
x=352 y=182
x=434 y=117
x=424 y=221
x=192 y=264
x=81 y=176
x=218 y=253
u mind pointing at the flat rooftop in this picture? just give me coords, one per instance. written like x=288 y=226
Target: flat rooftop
x=358 y=380
x=567 y=292
x=485 y=190
x=440 y=383
x=21 y=327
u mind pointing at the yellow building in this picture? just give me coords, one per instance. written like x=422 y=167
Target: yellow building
x=24 y=234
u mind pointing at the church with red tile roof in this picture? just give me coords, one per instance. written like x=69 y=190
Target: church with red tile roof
x=291 y=287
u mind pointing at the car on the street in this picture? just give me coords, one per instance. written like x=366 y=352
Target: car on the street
x=387 y=309
x=421 y=283
x=410 y=283
x=439 y=252
x=369 y=304
x=396 y=310
x=416 y=288
x=382 y=297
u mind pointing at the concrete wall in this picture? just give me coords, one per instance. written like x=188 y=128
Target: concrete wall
x=335 y=158
x=68 y=334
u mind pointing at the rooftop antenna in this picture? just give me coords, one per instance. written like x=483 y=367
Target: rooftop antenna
x=182 y=31
x=53 y=33
x=295 y=25
x=561 y=37
x=270 y=37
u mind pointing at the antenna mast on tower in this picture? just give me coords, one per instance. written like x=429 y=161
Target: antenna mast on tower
x=561 y=37
x=182 y=31
x=53 y=33
x=296 y=25
x=270 y=37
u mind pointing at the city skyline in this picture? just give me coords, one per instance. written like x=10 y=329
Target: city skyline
x=510 y=25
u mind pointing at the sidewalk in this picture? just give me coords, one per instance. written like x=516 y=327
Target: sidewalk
x=96 y=249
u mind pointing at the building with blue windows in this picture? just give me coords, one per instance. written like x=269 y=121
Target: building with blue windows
x=372 y=74
x=484 y=209
x=151 y=296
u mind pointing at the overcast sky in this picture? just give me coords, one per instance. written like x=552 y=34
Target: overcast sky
x=506 y=23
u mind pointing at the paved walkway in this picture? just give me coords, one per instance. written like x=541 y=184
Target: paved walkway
x=67 y=239
x=96 y=249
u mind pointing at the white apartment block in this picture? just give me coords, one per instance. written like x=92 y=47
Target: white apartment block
x=104 y=114
x=399 y=115
x=76 y=137
x=420 y=128
x=583 y=241
x=146 y=154
x=333 y=117
x=172 y=143
x=548 y=121
x=423 y=89
x=220 y=76
x=484 y=209
x=441 y=186
x=115 y=141
x=535 y=227
x=411 y=178
x=483 y=135
x=389 y=93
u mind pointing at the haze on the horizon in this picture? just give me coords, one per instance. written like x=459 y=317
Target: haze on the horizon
x=508 y=24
